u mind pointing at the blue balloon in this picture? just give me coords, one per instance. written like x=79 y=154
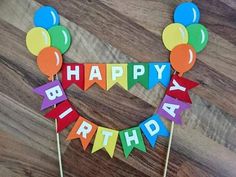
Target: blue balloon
x=187 y=13
x=46 y=17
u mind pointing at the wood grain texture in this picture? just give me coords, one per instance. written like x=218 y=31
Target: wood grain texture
x=118 y=31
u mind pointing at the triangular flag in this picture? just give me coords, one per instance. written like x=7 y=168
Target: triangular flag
x=130 y=139
x=179 y=87
x=152 y=128
x=84 y=130
x=159 y=72
x=138 y=73
x=72 y=73
x=171 y=109
x=52 y=93
x=95 y=73
x=117 y=73
x=64 y=113
x=105 y=138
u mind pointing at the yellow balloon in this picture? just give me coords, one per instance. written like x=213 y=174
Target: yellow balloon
x=37 y=39
x=174 y=34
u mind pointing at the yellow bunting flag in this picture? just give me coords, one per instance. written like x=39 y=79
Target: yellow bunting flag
x=117 y=73
x=105 y=138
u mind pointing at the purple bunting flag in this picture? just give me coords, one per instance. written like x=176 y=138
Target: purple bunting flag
x=52 y=93
x=171 y=109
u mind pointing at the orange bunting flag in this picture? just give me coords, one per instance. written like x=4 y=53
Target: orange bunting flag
x=84 y=130
x=95 y=73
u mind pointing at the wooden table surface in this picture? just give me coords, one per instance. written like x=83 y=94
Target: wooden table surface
x=110 y=31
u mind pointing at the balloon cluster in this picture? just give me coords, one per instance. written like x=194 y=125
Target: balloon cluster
x=48 y=40
x=185 y=37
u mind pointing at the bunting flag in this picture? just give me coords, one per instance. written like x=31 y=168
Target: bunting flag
x=171 y=109
x=159 y=72
x=72 y=73
x=130 y=139
x=152 y=128
x=95 y=73
x=52 y=93
x=84 y=130
x=179 y=87
x=64 y=113
x=105 y=138
x=138 y=73
x=117 y=73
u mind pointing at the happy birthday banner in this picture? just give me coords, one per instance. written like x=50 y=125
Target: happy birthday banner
x=49 y=40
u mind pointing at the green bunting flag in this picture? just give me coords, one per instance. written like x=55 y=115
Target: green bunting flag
x=131 y=138
x=138 y=73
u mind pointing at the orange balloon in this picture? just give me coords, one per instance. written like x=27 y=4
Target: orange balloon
x=49 y=61
x=182 y=58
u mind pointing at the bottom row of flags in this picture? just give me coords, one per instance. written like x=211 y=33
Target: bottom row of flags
x=106 y=138
x=176 y=100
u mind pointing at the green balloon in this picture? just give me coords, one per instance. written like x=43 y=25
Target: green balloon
x=60 y=38
x=197 y=36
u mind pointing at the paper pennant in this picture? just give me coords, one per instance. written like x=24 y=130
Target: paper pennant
x=72 y=73
x=64 y=113
x=52 y=93
x=138 y=73
x=171 y=109
x=117 y=73
x=159 y=72
x=95 y=73
x=179 y=86
x=152 y=128
x=130 y=139
x=105 y=138
x=84 y=130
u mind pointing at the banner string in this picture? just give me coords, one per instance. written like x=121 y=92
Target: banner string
x=58 y=140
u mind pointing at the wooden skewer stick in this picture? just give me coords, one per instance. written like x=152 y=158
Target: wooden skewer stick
x=59 y=151
x=58 y=142
x=169 y=146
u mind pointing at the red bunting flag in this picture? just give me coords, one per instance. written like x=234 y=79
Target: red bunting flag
x=179 y=86
x=65 y=115
x=72 y=73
